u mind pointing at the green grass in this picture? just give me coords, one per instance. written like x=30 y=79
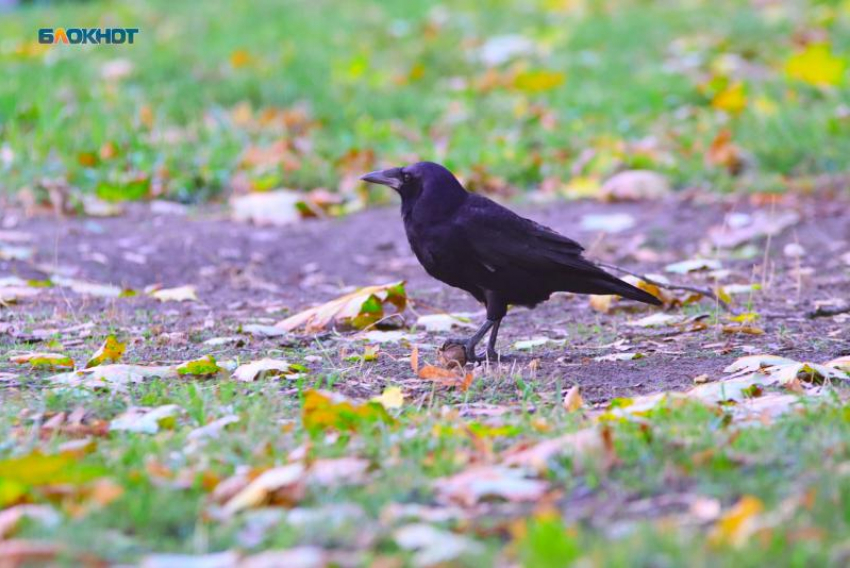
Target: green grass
x=795 y=467
x=391 y=82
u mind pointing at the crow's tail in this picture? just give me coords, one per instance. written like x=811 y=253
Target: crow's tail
x=613 y=285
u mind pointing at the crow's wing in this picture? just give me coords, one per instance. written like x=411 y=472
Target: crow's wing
x=501 y=239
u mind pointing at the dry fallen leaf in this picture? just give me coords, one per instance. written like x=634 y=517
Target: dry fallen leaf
x=635 y=185
x=264 y=368
x=144 y=420
x=279 y=485
x=186 y=293
x=114 y=377
x=737 y=524
x=359 y=309
x=203 y=367
x=391 y=398
x=44 y=360
x=619 y=357
x=433 y=546
x=446 y=377
x=271 y=208
x=111 y=350
x=816 y=65
x=486 y=482
x=573 y=400
x=589 y=441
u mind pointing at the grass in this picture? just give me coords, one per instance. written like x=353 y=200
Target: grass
x=794 y=468
x=217 y=97
x=604 y=86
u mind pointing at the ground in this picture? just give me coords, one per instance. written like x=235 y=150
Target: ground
x=611 y=434
x=667 y=466
x=245 y=274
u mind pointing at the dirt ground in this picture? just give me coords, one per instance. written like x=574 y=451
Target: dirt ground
x=247 y=274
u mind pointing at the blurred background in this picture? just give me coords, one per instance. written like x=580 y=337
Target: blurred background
x=541 y=98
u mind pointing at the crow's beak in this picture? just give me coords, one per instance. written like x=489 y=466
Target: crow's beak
x=391 y=178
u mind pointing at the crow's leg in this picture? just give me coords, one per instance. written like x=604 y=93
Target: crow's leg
x=492 y=355
x=470 y=344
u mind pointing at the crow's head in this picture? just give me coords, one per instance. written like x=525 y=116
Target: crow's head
x=410 y=181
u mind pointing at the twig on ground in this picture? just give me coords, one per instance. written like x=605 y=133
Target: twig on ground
x=703 y=291
x=828 y=311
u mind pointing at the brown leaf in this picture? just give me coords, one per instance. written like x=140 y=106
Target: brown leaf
x=446 y=377
x=414 y=359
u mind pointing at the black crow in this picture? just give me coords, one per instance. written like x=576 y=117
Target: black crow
x=475 y=244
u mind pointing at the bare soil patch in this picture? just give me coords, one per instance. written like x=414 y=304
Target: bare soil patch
x=246 y=274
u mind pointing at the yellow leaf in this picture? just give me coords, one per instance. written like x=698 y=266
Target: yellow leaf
x=537 y=81
x=746 y=317
x=765 y=106
x=17 y=475
x=738 y=523
x=240 y=58
x=111 y=350
x=392 y=397
x=573 y=400
x=326 y=411
x=732 y=99
x=581 y=186
x=816 y=65
x=203 y=367
x=602 y=304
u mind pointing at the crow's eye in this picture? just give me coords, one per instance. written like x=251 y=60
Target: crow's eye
x=405 y=177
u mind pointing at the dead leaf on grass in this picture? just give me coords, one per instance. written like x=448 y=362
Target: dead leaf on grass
x=11 y=294
x=444 y=322
x=588 y=441
x=145 y=420
x=111 y=350
x=620 y=357
x=737 y=524
x=212 y=429
x=337 y=471
x=693 y=265
x=297 y=557
x=489 y=482
x=359 y=309
x=446 y=377
x=282 y=485
x=265 y=368
x=433 y=546
x=204 y=367
x=392 y=398
x=44 y=360
x=12 y=517
x=658 y=320
x=324 y=411
x=115 y=377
